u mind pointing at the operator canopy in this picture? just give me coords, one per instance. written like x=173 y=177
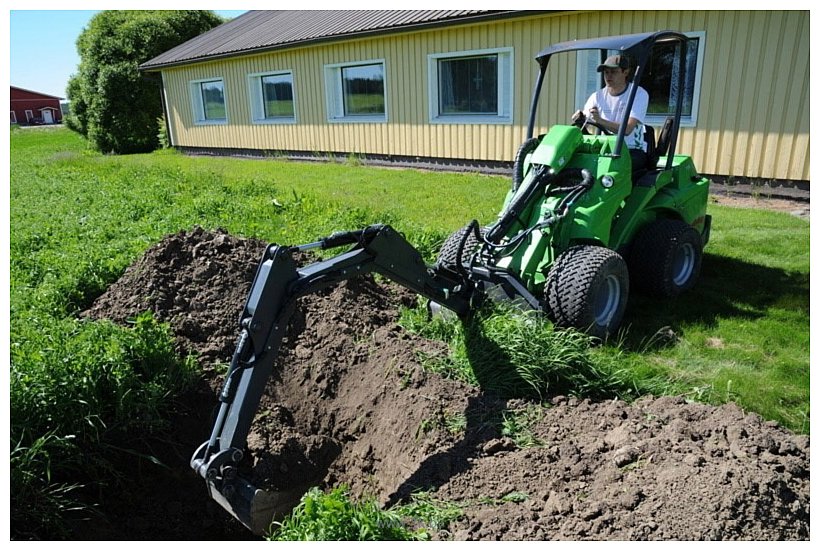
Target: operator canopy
x=636 y=45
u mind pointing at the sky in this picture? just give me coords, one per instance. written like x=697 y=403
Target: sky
x=42 y=44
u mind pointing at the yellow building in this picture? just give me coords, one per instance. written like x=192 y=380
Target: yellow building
x=456 y=86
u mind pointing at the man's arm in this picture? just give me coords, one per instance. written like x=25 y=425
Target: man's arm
x=612 y=126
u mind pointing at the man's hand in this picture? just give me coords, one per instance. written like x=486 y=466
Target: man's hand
x=594 y=114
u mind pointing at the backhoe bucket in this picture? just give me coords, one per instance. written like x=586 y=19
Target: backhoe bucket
x=256 y=508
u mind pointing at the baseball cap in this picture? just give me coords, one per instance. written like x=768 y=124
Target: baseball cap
x=615 y=62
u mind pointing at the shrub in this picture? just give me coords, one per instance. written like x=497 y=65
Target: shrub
x=114 y=105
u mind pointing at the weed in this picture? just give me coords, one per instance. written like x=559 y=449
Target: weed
x=333 y=516
x=354 y=159
x=521 y=355
x=519 y=424
x=455 y=423
x=434 y=513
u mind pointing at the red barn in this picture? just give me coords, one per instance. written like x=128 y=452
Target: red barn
x=28 y=107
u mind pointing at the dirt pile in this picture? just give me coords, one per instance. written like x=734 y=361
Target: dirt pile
x=350 y=404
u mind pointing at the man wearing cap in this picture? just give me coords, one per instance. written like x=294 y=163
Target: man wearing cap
x=607 y=106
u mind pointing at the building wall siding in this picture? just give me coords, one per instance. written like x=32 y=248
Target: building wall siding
x=753 y=117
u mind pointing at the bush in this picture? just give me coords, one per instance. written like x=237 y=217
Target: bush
x=114 y=104
x=162 y=134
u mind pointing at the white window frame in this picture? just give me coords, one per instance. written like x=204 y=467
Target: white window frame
x=29 y=115
x=13 y=117
x=197 y=108
x=588 y=60
x=506 y=87
x=257 y=98
x=334 y=92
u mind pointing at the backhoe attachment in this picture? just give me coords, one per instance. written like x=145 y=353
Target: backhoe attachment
x=263 y=324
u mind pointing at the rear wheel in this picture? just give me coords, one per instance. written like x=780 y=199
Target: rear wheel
x=587 y=288
x=665 y=259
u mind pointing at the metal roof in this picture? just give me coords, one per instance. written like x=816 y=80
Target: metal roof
x=268 y=30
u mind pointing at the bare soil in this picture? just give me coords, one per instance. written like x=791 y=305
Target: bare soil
x=801 y=209
x=349 y=403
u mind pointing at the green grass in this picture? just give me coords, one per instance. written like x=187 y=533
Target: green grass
x=520 y=355
x=80 y=389
x=333 y=516
x=743 y=333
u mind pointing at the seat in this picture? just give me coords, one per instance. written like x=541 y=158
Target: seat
x=654 y=150
x=662 y=146
x=649 y=138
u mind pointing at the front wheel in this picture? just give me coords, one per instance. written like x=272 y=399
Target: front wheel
x=458 y=249
x=587 y=288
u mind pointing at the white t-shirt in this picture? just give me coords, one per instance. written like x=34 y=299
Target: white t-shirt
x=612 y=109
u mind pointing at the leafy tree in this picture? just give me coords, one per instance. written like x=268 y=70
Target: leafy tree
x=113 y=104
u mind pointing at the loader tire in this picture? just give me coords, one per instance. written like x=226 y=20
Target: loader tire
x=587 y=289
x=448 y=256
x=665 y=258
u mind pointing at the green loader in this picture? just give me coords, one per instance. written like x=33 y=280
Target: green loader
x=578 y=226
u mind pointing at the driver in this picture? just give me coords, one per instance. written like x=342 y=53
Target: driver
x=606 y=107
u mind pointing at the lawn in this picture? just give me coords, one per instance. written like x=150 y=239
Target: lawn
x=79 y=218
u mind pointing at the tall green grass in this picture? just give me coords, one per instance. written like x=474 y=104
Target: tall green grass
x=78 y=218
x=520 y=354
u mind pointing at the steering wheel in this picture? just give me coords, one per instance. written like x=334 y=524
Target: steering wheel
x=598 y=126
x=582 y=122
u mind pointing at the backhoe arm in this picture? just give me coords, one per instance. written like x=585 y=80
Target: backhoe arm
x=271 y=302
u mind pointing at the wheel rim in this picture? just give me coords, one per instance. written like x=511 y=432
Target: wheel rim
x=608 y=300
x=683 y=264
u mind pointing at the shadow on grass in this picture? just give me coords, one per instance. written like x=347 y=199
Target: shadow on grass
x=728 y=288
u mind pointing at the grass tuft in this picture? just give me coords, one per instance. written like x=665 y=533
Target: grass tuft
x=521 y=355
x=333 y=516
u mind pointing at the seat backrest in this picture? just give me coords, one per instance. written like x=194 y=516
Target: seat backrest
x=651 y=149
x=664 y=137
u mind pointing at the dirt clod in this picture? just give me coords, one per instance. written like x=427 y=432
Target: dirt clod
x=349 y=403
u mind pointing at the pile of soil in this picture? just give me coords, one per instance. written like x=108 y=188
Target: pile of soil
x=349 y=403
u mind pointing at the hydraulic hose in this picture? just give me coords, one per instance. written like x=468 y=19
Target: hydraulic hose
x=519 y=203
x=573 y=193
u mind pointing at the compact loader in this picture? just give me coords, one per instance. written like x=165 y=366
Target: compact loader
x=577 y=231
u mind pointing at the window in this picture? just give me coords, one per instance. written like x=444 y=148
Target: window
x=663 y=88
x=356 y=92
x=29 y=115
x=208 y=98
x=471 y=87
x=13 y=117
x=272 y=99
x=657 y=79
